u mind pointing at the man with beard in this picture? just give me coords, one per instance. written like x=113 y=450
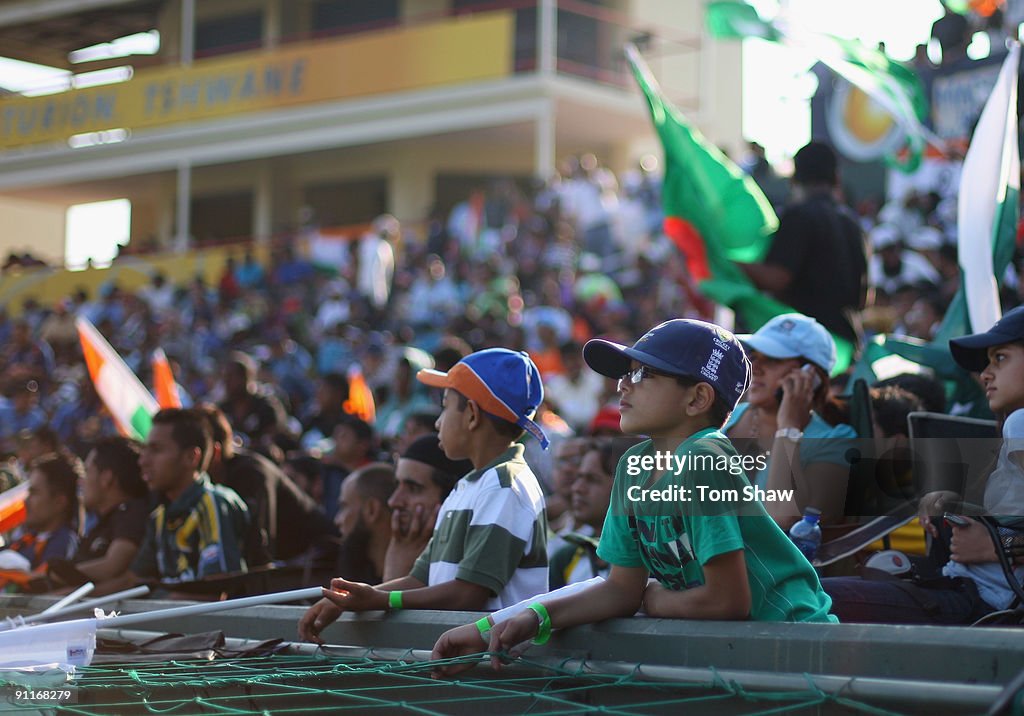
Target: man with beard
x=364 y=520
x=425 y=476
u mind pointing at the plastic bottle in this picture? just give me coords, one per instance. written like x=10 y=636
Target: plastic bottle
x=806 y=534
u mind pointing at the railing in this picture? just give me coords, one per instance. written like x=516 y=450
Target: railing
x=588 y=39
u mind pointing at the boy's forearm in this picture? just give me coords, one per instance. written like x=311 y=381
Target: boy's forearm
x=607 y=600
x=401 y=583
x=698 y=603
x=455 y=595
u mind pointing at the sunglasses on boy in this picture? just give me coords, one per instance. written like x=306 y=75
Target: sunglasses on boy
x=636 y=375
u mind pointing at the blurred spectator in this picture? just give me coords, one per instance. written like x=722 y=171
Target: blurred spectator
x=284 y=521
x=258 y=417
x=364 y=521
x=51 y=509
x=21 y=412
x=114 y=492
x=575 y=393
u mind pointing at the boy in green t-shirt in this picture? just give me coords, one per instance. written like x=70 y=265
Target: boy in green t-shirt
x=682 y=509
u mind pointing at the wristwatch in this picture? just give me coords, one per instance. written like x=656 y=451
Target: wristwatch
x=793 y=434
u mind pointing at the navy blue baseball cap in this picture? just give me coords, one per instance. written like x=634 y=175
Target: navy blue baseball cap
x=971 y=352
x=688 y=348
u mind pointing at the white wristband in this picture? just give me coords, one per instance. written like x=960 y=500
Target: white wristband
x=793 y=434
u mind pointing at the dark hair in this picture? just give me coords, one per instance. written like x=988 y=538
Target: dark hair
x=612 y=449
x=815 y=163
x=720 y=409
x=376 y=481
x=503 y=427
x=360 y=428
x=244 y=363
x=220 y=431
x=890 y=406
x=446 y=472
x=48 y=436
x=120 y=455
x=571 y=348
x=189 y=429
x=450 y=352
x=62 y=476
x=930 y=391
x=336 y=382
x=305 y=464
x=423 y=419
x=833 y=410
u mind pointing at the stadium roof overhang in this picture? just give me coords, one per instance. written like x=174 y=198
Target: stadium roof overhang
x=46 y=31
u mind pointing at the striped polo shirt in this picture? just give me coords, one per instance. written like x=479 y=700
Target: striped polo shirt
x=492 y=531
x=198 y=535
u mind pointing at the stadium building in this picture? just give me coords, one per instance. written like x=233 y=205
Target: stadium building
x=249 y=117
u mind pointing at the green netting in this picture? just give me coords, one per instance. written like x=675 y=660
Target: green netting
x=324 y=683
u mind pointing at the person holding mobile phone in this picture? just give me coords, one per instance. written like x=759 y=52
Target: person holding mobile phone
x=789 y=414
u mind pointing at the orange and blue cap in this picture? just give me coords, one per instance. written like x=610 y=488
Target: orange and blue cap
x=502 y=382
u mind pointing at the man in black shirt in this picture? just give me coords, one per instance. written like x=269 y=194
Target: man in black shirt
x=817 y=263
x=285 y=521
x=114 y=491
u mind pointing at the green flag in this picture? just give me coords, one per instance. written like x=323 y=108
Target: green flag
x=714 y=213
x=893 y=86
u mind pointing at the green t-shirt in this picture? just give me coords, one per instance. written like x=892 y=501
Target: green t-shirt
x=673 y=539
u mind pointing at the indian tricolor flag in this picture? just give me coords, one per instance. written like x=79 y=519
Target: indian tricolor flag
x=130 y=404
x=12 y=507
x=714 y=213
x=360 y=398
x=163 y=381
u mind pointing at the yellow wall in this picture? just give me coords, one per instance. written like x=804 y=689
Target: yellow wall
x=33 y=227
x=465 y=49
x=50 y=285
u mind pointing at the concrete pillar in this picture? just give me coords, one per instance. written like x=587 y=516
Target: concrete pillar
x=547 y=36
x=263 y=203
x=183 y=209
x=272 y=27
x=544 y=142
x=188 y=31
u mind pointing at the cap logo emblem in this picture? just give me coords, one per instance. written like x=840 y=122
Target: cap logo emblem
x=710 y=369
x=722 y=339
x=787 y=326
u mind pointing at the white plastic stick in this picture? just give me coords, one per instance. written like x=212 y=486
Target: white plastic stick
x=13 y=623
x=211 y=607
x=70 y=599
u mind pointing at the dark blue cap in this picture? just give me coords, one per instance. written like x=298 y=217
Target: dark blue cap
x=692 y=349
x=971 y=352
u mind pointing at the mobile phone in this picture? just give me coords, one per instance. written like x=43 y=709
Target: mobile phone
x=956 y=520
x=806 y=368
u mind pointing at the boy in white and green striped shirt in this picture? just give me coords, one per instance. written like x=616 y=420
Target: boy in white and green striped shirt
x=489 y=544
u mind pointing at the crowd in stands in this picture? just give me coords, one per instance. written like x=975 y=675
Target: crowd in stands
x=269 y=462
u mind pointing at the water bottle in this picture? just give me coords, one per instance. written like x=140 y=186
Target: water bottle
x=806 y=534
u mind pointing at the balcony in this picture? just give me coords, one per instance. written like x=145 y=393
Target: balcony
x=229 y=67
